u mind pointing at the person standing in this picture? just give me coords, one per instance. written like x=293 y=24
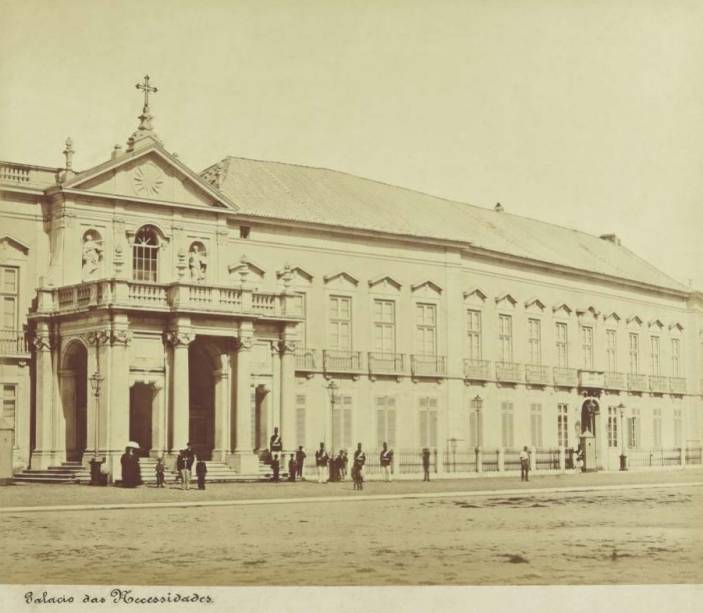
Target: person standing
x=426 y=463
x=276 y=467
x=130 y=468
x=321 y=458
x=299 y=461
x=345 y=461
x=524 y=464
x=292 y=468
x=359 y=461
x=386 y=460
x=276 y=442
x=160 y=469
x=200 y=472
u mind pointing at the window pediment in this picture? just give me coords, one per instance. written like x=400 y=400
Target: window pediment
x=475 y=295
x=384 y=283
x=506 y=300
x=534 y=305
x=562 y=308
x=426 y=288
x=341 y=280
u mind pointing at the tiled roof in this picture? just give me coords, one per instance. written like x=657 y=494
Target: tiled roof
x=318 y=195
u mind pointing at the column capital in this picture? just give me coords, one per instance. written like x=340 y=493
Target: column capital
x=178 y=337
x=121 y=338
x=42 y=341
x=243 y=343
x=286 y=345
x=98 y=337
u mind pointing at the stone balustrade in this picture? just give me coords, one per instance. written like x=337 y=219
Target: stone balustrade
x=173 y=297
x=13 y=343
x=477 y=370
x=536 y=374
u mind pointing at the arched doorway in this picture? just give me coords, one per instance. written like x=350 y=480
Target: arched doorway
x=74 y=399
x=201 y=424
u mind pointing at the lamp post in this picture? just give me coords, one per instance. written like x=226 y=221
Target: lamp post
x=96 y=380
x=477 y=401
x=623 y=455
x=332 y=389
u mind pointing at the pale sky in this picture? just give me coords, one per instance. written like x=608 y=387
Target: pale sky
x=583 y=114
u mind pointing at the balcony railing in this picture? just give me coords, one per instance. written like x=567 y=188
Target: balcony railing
x=306 y=359
x=637 y=383
x=166 y=297
x=658 y=384
x=26 y=175
x=677 y=385
x=615 y=381
x=13 y=342
x=536 y=374
x=565 y=377
x=477 y=370
x=428 y=365
x=386 y=363
x=341 y=361
x=508 y=372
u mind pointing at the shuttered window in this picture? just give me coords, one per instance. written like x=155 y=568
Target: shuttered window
x=507 y=425
x=563 y=425
x=340 y=323
x=476 y=423
x=300 y=420
x=657 y=428
x=385 y=421
x=342 y=422
x=428 y=422
x=677 y=428
x=473 y=335
x=536 y=425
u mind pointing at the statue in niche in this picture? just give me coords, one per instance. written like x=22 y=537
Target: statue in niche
x=92 y=255
x=197 y=262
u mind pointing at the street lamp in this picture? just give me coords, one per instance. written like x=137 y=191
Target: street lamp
x=96 y=380
x=477 y=402
x=623 y=456
x=332 y=389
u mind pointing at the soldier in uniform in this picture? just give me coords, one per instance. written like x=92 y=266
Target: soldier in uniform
x=426 y=463
x=299 y=461
x=386 y=460
x=524 y=464
x=275 y=442
x=321 y=458
x=359 y=461
x=276 y=467
x=160 y=471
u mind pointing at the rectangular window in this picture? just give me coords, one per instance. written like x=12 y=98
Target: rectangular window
x=505 y=338
x=675 y=357
x=385 y=421
x=562 y=345
x=534 y=331
x=300 y=419
x=473 y=334
x=9 y=406
x=678 y=427
x=476 y=423
x=634 y=353
x=563 y=425
x=507 y=425
x=301 y=308
x=384 y=326
x=612 y=426
x=633 y=429
x=8 y=294
x=340 y=323
x=657 y=428
x=654 y=355
x=426 y=322
x=536 y=425
x=612 y=350
x=428 y=422
x=587 y=346
x=342 y=422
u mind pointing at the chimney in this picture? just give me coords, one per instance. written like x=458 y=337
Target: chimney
x=498 y=208
x=613 y=238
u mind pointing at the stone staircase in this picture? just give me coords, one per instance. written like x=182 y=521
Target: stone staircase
x=217 y=472
x=68 y=472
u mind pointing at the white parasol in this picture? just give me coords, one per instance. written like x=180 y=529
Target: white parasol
x=133 y=445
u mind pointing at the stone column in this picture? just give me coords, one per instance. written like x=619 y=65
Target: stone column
x=245 y=461
x=287 y=398
x=44 y=454
x=158 y=411
x=179 y=338
x=222 y=410
x=115 y=400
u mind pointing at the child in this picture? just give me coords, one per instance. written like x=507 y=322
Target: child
x=292 y=468
x=160 y=470
x=201 y=471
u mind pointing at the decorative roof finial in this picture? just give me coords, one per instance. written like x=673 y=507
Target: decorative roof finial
x=145 y=128
x=68 y=154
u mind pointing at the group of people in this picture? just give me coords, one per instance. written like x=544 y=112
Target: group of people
x=131 y=471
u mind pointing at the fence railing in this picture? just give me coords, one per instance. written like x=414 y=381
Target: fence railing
x=428 y=365
x=547 y=459
x=694 y=455
x=341 y=361
x=306 y=359
x=13 y=342
x=386 y=363
x=410 y=461
x=459 y=461
x=637 y=458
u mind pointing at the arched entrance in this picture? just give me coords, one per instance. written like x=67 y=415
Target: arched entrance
x=201 y=423
x=74 y=399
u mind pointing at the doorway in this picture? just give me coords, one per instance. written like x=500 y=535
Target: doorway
x=74 y=399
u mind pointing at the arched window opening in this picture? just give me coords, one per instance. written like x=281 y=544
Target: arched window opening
x=145 y=254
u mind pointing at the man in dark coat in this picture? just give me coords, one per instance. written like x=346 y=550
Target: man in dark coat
x=299 y=461
x=200 y=472
x=276 y=442
x=426 y=463
x=130 y=468
x=276 y=467
x=292 y=468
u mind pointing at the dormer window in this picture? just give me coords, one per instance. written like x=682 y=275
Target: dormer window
x=145 y=254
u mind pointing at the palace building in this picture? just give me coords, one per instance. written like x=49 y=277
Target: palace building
x=144 y=301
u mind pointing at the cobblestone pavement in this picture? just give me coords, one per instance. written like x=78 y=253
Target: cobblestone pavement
x=30 y=494
x=652 y=535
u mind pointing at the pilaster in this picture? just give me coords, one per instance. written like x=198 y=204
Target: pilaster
x=44 y=455
x=178 y=338
x=287 y=399
x=245 y=461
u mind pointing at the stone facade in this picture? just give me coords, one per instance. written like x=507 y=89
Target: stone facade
x=204 y=321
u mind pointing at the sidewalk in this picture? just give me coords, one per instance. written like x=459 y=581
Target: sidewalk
x=40 y=495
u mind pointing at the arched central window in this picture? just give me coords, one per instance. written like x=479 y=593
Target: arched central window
x=145 y=254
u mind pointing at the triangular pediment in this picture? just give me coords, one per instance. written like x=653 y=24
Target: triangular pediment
x=341 y=280
x=475 y=295
x=384 y=282
x=634 y=320
x=589 y=311
x=562 y=308
x=298 y=275
x=426 y=288
x=9 y=245
x=656 y=323
x=534 y=304
x=245 y=271
x=676 y=327
x=612 y=315
x=506 y=300
x=149 y=174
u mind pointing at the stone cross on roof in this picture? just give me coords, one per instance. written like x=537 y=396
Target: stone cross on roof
x=145 y=128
